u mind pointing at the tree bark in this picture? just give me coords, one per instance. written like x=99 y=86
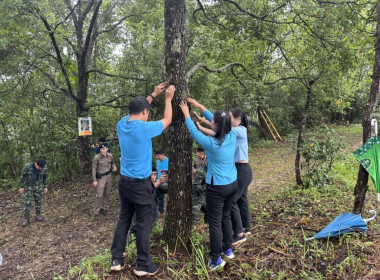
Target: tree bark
x=362 y=181
x=177 y=228
x=301 y=134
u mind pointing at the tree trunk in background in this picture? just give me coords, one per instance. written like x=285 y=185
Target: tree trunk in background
x=300 y=135
x=83 y=142
x=84 y=57
x=177 y=228
x=362 y=182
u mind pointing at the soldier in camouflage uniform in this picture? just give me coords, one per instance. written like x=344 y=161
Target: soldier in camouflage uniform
x=33 y=183
x=199 y=184
x=200 y=159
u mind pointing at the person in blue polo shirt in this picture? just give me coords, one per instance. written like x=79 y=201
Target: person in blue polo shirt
x=221 y=180
x=135 y=187
x=240 y=215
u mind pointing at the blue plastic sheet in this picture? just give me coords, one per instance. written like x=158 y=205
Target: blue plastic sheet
x=344 y=223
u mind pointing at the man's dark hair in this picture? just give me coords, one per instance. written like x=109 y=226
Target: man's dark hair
x=102 y=139
x=154 y=169
x=137 y=105
x=41 y=162
x=160 y=152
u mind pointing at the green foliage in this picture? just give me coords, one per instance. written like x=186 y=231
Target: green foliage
x=319 y=151
x=320 y=42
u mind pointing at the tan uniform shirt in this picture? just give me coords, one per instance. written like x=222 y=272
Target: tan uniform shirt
x=102 y=164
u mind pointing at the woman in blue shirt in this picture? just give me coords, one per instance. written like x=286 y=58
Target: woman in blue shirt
x=240 y=214
x=221 y=183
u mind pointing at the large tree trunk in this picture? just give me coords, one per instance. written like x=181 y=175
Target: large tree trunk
x=82 y=111
x=83 y=144
x=300 y=135
x=177 y=228
x=362 y=182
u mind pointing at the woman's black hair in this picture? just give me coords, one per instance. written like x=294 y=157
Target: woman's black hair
x=237 y=112
x=222 y=121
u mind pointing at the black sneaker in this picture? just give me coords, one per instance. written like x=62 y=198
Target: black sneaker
x=238 y=240
x=117 y=265
x=103 y=211
x=152 y=270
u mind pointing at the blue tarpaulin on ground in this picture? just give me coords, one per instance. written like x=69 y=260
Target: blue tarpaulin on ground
x=344 y=223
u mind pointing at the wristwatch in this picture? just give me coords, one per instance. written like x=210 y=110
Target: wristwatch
x=151 y=95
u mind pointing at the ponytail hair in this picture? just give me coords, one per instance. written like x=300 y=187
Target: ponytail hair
x=222 y=121
x=237 y=112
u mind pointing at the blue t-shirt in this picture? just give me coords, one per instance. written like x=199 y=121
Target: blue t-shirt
x=220 y=158
x=162 y=165
x=135 y=139
x=241 y=149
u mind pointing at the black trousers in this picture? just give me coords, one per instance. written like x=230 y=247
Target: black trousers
x=219 y=201
x=136 y=197
x=240 y=215
x=161 y=202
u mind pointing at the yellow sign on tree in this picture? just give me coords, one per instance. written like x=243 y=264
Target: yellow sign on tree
x=84 y=126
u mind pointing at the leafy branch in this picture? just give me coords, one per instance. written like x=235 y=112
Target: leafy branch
x=208 y=69
x=261 y=18
x=115 y=76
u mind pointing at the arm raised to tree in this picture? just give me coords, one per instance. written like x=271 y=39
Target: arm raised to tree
x=185 y=109
x=204 y=130
x=168 y=113
x=195 y=104
x=157 y=91
x=198 y=119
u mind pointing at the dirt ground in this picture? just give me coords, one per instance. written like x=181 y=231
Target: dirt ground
x=67 y=234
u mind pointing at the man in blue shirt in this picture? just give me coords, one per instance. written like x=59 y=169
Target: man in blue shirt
x=135 y=187
x=162 y=167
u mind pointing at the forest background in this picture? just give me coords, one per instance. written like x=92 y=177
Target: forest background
x=266 y=55
x=306 y=63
